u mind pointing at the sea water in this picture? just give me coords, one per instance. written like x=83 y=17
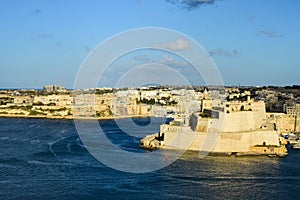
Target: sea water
x=45 y=159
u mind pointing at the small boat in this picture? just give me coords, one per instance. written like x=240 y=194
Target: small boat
x=170 y=114
x=296 y=145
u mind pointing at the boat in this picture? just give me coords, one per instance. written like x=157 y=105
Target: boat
x=170 y=114
x=296 y=145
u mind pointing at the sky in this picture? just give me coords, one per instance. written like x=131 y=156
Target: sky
x=251 y=42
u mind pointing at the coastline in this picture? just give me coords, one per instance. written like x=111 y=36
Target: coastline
x=72 y=117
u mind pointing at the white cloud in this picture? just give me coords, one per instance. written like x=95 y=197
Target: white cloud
x=168 y=58
x=179 y=45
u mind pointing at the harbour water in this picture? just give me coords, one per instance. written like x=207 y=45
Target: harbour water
x=42 y=158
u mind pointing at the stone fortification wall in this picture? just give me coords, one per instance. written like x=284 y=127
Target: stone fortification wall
x=219 y=142
x=285 y=123
x=241 y=121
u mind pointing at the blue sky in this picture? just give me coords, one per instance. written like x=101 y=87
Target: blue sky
x=252 y=42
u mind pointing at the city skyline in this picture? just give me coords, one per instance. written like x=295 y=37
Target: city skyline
x=252 y=43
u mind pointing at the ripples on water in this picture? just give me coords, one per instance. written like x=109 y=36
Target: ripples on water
x=42 y=158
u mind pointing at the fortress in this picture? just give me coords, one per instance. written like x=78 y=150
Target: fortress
x=235 y=127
